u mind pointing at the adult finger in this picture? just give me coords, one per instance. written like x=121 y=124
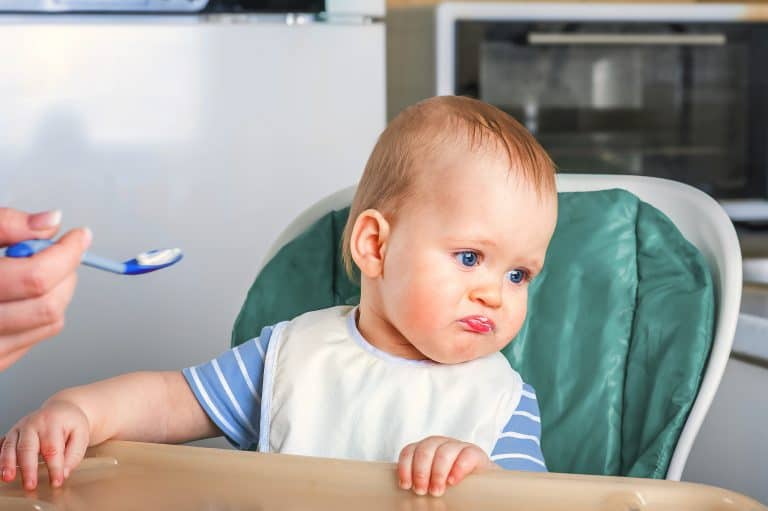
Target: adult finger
x=442 y=463
x=10 y=358
x=24 y=315
x=27 y=450
x=8 y=456
x=52 y=451
x=18 y=226
x=11 y=344
x=34 y=276
x=77 y=443
x=470 y=458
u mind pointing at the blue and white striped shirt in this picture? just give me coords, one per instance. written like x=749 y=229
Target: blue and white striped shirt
x=229 y=390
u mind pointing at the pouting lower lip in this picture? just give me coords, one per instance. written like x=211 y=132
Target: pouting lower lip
x=478 y=324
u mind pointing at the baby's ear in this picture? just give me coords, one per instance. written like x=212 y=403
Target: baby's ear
x=368 y=241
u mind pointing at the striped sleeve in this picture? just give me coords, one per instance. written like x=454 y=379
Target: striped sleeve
x=519 y=445
x=229 y=389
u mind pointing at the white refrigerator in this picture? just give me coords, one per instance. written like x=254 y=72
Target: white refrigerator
x=208 y=133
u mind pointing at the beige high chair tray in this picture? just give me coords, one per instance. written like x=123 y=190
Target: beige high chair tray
x=129 y=475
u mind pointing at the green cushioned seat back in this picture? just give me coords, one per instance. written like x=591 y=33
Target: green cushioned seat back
x=618 y=332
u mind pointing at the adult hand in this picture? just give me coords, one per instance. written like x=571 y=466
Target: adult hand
x=35 y=291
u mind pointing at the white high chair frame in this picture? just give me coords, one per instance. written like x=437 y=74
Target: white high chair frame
x=699 y=218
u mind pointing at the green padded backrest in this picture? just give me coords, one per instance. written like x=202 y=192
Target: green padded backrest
x=619 y=327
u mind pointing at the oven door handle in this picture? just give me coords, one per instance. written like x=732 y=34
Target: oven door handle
x=555 y=38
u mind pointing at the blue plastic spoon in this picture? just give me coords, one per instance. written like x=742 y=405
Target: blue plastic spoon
x=143 y=263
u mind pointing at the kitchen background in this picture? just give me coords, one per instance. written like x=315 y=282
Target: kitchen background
x=210 y=130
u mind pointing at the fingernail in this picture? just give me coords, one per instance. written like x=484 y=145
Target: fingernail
x=436 y=491
x=66 y=473
x=44 y=220
x=404 y=485
x=88 y=236
x=56 y=483
x=451 y=480
x=2 y=476
x=420 y=491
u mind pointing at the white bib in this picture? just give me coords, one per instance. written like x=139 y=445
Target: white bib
x=327 y=392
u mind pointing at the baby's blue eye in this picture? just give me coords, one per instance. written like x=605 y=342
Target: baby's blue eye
x=517 y=276
x=466 y=258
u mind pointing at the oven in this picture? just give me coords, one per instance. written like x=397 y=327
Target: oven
x=674 y=91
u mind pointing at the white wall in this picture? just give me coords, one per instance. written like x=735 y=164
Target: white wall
x=208 y=136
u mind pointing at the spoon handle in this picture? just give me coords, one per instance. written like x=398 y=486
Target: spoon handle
x=31 y=247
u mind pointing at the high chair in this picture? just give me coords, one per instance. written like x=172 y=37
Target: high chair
x=629 y=327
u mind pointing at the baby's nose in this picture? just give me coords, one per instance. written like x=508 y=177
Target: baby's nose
x=488 y=294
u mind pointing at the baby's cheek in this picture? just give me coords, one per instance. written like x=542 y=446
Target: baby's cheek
x=420 y=310
x=516 y=315
x=427 y=297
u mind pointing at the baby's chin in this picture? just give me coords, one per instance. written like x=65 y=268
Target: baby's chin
x=459 y=353
x=452 y=360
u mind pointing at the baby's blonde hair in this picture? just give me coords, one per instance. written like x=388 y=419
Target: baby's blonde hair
x=421 y=131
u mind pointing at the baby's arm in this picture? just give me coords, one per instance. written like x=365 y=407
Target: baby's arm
x=145 y=406
x=519 y=445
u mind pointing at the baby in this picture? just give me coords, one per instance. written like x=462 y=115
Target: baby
x=450 y=222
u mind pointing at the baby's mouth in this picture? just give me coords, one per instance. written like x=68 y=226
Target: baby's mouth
x=478 y=324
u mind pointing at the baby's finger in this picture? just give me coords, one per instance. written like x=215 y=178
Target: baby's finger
x=445 y=456
x=52 y=450
x=422 y=463
x=26 y=452
x=8 y=456
x=77 y=443
x=468 y=460
x=404 y=466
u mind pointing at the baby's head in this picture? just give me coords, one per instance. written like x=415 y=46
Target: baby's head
x=451 y=220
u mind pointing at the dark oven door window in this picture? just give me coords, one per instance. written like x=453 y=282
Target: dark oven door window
x=682 y=101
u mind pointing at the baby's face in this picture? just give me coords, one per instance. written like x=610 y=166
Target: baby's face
x=460 y=258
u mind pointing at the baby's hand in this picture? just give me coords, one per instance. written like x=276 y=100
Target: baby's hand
x=59 y=432
x=437 y=460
